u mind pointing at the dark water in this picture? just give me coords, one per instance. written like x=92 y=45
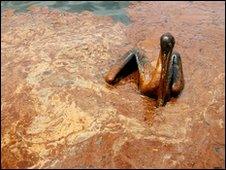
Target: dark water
x=115 y=9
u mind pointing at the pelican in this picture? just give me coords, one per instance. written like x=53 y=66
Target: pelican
x=162 y=81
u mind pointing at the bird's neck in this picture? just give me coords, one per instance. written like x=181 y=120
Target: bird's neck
x=160 y=62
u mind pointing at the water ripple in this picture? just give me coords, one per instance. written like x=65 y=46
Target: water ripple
x=102 y=8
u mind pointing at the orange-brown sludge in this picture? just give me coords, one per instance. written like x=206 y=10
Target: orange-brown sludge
x=57 y=111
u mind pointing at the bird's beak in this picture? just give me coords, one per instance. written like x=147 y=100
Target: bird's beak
x=165 y=62
x=164 y=81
